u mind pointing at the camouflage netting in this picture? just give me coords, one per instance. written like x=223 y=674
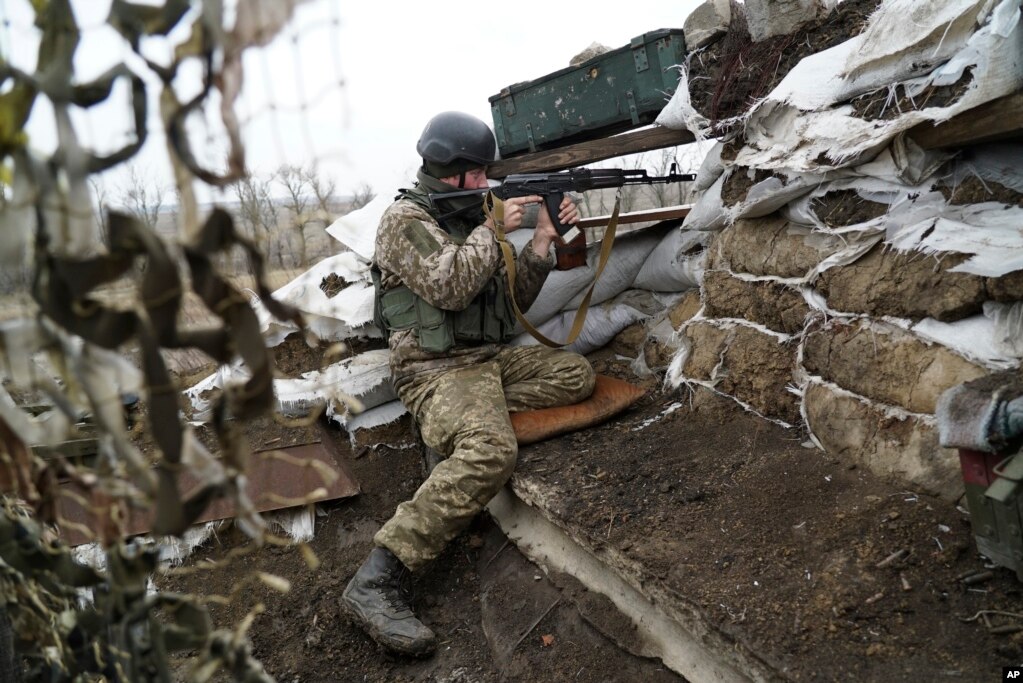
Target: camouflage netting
x=67 y=350
x=854 y=276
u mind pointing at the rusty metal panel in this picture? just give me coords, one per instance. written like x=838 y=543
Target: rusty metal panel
x=273 y=483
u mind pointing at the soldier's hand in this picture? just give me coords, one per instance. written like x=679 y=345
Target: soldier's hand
x=546 y=233
x=515 y=209
x=569 y=211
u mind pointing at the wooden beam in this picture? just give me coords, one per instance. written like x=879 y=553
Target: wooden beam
x=667 y=213
x=999 y=119
x=580 y=154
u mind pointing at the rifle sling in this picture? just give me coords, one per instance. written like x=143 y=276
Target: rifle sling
x=494 y=209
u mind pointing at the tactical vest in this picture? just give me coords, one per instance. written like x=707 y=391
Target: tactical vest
x=488 y=318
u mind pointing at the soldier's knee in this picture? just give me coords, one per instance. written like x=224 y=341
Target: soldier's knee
x=509 y=456
x=501 y=446
x=581 y=376
x=502 y=452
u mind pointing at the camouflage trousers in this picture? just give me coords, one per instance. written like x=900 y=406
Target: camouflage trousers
x=463 y=415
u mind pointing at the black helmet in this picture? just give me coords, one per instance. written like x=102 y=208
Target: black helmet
x=452 y=135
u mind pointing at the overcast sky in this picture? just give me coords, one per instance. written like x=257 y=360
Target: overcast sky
x=399 y=62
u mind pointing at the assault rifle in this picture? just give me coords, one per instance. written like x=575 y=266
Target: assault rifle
x=553 y=186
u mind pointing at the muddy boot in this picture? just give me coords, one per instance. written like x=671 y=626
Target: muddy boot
x=375 y=600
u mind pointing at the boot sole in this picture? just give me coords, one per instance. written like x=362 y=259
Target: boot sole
x=356 y=619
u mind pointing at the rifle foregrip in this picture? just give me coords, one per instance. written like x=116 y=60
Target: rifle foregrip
x=567 y=231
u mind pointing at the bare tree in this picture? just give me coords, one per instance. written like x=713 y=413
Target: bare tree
x=662 y=194
x=362 y=196
x=297 y=201
x=101 y=199
x=599 y=202
x=142 y=198
x=323 y=190
x=631 y=194
x=12 y=279
x=259 y=213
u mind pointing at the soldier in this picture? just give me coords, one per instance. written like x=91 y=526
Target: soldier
x=442 y=294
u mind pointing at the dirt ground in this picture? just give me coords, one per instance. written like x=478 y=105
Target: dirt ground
x=818 y=569
x=498 y=616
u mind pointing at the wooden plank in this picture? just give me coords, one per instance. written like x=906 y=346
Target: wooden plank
x=1000 y=119
x=580 y=154
x=664 y=214
x=72 y=448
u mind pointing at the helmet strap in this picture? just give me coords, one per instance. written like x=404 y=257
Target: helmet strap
x=461 y=180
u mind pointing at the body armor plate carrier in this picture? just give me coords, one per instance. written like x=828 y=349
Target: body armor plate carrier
x=488 y=318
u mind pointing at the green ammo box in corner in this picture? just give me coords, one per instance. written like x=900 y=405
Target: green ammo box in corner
x=610 y=93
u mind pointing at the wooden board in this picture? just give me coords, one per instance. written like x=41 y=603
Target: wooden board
x=643 y=140
x=1001 y=119
x=664 y=214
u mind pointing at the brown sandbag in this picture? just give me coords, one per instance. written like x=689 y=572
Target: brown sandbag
x=610 y=397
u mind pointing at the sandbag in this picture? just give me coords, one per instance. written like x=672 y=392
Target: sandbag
x=564 y=289
x=610 y=397
x=602 y=324
x=348 y=313
x=675 y=264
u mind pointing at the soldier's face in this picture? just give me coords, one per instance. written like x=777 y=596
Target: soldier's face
x=476 y=179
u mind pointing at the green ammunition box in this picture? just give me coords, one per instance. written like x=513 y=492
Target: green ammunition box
x=996 y=509
x=607 y=94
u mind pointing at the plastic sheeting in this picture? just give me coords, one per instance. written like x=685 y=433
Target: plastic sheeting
x=365 y=377
x=806 y=125
x=679 y=113
x=358 y=230
x=374 y=417
x=990 y=232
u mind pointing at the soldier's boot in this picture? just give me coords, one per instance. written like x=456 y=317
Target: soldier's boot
x=376 y=601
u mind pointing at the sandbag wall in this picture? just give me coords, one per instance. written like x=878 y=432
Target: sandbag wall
x=854 y=277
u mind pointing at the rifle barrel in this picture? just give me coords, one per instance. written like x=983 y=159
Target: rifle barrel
x=587 y=179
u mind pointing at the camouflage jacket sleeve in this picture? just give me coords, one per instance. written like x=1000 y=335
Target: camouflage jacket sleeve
x=530 y=273
x=413 y=250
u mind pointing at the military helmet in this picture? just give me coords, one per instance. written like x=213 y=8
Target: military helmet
x=451 y=136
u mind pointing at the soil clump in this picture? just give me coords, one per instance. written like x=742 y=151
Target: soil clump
x=846 y=207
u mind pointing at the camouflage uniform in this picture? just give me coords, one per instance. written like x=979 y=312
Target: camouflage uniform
x=460 y=398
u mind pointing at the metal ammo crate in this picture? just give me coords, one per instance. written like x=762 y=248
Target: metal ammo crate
x=607 y=94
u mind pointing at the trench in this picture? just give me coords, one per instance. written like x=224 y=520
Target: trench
x=683 y=642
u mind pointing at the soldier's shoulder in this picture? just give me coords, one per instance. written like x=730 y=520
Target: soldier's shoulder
x=403 y=209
